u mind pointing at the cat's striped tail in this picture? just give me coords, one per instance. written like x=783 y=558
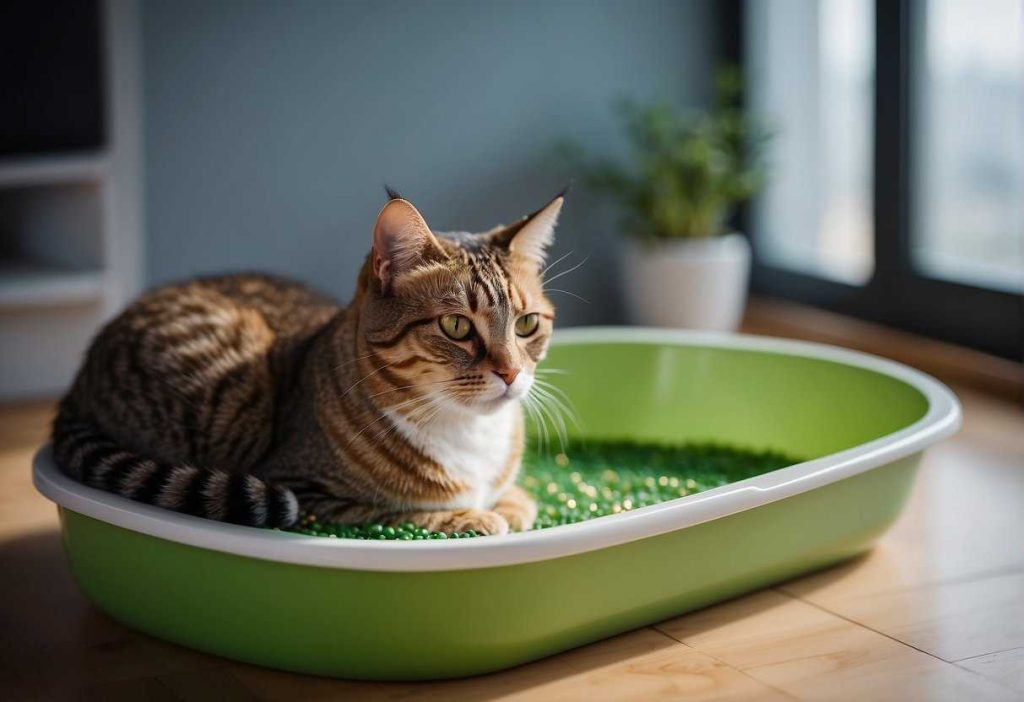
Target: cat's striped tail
x=86 y=455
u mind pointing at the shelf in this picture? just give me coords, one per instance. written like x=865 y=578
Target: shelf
x=71 y=220
x=25 y=284
x=52 y=169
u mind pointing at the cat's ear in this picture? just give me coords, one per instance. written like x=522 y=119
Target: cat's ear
x=401 y=241
x=531 y=236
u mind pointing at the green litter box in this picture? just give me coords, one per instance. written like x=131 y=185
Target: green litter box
x=441 y=609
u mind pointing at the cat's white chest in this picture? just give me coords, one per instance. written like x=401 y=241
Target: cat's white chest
x=473 y=449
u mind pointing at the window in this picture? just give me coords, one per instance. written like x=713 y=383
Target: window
x=897 y=190
x=968 y=94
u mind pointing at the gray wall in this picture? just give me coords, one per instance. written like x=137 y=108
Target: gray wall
x=270 y=126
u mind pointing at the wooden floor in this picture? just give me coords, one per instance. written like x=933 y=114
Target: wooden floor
x=936 y=611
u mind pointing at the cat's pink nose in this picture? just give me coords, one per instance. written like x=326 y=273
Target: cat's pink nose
x=507 y=374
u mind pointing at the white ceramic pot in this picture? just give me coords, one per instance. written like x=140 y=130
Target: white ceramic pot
x=687 y=283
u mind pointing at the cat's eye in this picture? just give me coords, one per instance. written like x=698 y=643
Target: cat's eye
x=527 y=324
x=456 y=326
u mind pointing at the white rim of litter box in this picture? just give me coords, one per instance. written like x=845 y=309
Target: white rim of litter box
x=942 y=418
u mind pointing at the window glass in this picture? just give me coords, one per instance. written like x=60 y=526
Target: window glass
x=968 y=142
x=811 y=76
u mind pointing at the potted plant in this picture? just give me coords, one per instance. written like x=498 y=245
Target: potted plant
x=683 y=267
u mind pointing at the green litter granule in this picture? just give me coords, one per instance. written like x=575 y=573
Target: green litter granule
x=591 y=479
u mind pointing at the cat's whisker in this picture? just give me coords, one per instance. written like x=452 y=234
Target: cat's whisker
x=415 y=385
x=559 y=397
x=413 y=402
x=437 y=402
x=548 y=405
x=388 y=430
x=561 y=412
x=373 y=372
x=392 y=428
x=553 y=371
x=412 y=417
x=567 y=292
x=555 y=263
x=546 y=415
x=445 y=395
x=557 y=427
x=565 y=272
x=432 y=416
x=545 y=445
x=351 y=361
x=395 y=408
x=530 y=405
x=562 y=399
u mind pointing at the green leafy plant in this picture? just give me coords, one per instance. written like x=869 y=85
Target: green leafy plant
x=689 y=171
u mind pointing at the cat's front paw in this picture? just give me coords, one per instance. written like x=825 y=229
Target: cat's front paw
x=483 y=522
x=518 y=509
x=478 y=520
x=521 y=519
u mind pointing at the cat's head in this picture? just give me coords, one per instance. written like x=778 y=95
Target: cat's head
x=458 y=317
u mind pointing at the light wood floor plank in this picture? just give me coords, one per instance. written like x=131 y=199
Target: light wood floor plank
x=1006 y=667
x=643 y=664
x=952 y=619
x=813 y=654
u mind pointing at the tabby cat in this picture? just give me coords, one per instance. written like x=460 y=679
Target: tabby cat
x=251 y=399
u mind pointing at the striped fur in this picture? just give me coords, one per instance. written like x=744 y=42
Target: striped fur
x=248 y=398
x=98 y=462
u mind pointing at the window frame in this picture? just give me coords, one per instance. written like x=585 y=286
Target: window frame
x=897 y=294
